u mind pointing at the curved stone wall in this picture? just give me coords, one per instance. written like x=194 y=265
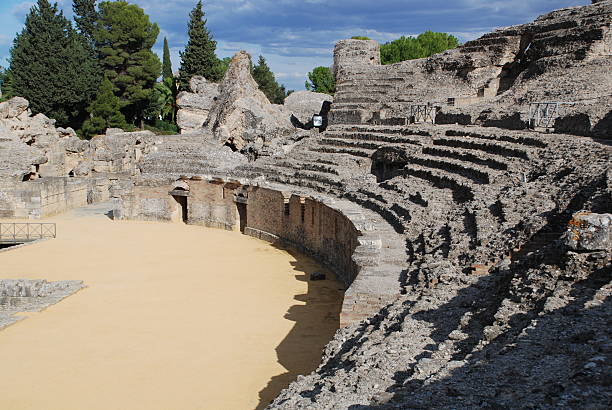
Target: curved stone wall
x=360 y=248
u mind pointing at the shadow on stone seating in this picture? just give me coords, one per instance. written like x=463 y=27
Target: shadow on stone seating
x=316 y=322
x=561 y=341
x=502 y=370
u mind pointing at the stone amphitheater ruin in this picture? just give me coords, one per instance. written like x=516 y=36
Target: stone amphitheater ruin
x=463 y=199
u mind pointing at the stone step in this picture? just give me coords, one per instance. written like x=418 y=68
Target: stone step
x=460 y=186
x=452 y=166
x=380 y=129
x=495 y=148
x=520 y=140
x=373 y=136
x=323 y=168
x=483 y=158
x=352 y=97
x=415 y=198
x=352 y=143
x=340 y=150
x=378 y=207
x=289 y=171
x=302 y=182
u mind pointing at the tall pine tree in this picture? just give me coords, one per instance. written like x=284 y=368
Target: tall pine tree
x=267 y=83
x=199 y=57
x=52 y=67
x=124 y=37
x=86 y=17
x=105 y=112
x=167 y=63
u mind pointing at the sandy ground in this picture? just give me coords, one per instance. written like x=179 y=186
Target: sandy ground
x=173 y=317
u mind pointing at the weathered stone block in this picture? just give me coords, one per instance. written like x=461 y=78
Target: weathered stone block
x=589 y=232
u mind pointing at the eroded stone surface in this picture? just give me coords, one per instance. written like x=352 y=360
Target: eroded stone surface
x=243 y=114
x=194 y=106
x=31 y=295
x=588 y=231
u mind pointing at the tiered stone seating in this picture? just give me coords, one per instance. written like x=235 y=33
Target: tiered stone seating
x=453 y=172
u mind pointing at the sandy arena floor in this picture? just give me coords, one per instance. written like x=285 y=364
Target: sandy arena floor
x=173 y=317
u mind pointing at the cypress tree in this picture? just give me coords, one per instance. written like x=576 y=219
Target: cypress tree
x=52 y=67
x=86 y=17
x=167 y=63
x=199 y=57
x=105 y=111
x=124 y=37
x=267 y=83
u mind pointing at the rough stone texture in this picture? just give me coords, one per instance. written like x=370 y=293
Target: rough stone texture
x=562 y=56
x=119 y=152
x=195 y=106
x=187 y=154
x=26 y=295
x=17 y=160
x=13 y=108
x=111 y=131
x=589 y=232
x=238 y=114
x=243 y=114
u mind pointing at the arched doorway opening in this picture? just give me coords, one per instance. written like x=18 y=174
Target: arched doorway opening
x=180 y=193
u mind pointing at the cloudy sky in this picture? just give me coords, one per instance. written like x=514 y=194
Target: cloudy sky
x=298 y=35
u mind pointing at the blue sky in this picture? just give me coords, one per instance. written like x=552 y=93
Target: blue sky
x=298 y=35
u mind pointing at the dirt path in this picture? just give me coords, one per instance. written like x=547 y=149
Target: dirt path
x=173 y=317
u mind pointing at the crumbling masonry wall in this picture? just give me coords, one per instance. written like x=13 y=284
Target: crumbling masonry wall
x=49 y=196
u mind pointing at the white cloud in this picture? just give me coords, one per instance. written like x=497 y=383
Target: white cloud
x=21 y=9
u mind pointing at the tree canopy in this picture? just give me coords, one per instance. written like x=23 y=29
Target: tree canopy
x=163 y=102
x=124 y=37
x=199 y=57
x=321 y=80
x=410 y=48
x=105 y=111
x=267 y=83
x=52 y=66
